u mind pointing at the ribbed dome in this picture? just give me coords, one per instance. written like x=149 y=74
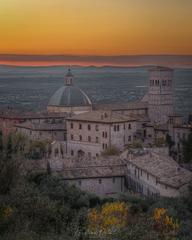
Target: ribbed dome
x=69 y=96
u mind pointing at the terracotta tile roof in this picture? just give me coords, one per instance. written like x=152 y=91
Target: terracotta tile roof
x=102 y=116
x=121 y=106
x=164 y=168
x=101 y=167
x=42 y=126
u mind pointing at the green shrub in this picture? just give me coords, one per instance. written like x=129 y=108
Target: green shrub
x=111 y=151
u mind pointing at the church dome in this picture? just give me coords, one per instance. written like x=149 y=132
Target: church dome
x=69 y=95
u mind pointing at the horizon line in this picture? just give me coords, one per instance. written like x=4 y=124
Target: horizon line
x=92 y=55
x=97 y=60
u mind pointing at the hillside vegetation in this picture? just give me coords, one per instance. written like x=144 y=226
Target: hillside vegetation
x=41 y=206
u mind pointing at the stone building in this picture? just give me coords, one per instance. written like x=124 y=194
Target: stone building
x=43 y=131
x=160 y=94
x=104 y=176
x=9 y=119
x=151 y=172
x=69 y=98
x=179 y=132
x=90 y=134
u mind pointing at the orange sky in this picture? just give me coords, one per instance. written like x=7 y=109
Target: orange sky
x=99 y=27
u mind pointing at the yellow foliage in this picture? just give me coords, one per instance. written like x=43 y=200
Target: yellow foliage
x=109 y=218
x=164 y=221
x=7 y=212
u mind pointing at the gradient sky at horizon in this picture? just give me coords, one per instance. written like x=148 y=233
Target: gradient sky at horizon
x=98 y=27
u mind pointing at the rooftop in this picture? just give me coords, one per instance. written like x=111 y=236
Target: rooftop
x=164 y=168
x=69 y=96
x=42 y=126
x=13 y=114
x=121 y=106
x=102 y=116
x=93 y=168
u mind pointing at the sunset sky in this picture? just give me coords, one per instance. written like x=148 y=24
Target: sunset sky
x=96 y=27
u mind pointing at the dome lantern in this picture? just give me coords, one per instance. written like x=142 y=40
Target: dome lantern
x=69 y=78
x=69 y=98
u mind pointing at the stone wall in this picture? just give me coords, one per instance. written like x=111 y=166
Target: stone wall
x=106 y=187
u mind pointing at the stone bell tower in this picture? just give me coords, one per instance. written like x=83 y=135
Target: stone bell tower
x=160 y=95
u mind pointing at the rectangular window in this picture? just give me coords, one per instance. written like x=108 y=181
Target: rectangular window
x=80 y=126
x=129 y=126
x=89 y=127
x=96 y=128
x=64 y=137
x=100 y=181
x=97 y=139
x=71 y=136
x=72 y=152
x=113 y=179
x=89 y=139
x=71 y=125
